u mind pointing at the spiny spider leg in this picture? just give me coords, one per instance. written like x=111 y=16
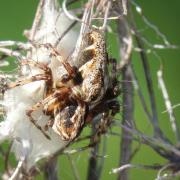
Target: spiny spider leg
x=71 y=70
x=101 y=128
x=114 y=70
x=47 y=76
x=46 y=104
x=47 y=73
x=37 y=126
x=113 y=88
x=39 y=65
x=37 y=77
x=37 y=106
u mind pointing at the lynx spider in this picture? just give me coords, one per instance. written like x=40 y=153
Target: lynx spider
x=66 y=101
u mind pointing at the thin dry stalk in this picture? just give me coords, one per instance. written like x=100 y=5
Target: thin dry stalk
x=128 y=166
x=74 y=168
x=51 y=169
x=149 y=83
x=92 y=169
x=127 y=90
x=168 y=105
x=128 y=109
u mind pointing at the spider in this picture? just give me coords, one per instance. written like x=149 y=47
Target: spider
x=68 y=99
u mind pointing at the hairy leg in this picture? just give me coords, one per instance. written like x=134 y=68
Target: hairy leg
x=35 y=108
x=37 y=77
x=53 y=101
x=70 y=70
x=39 y=65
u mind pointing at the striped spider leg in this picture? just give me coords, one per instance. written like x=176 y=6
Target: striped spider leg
x=90 y=80
x=57 y=98
x=84 y=86
x=46 y=76
x=88 y=83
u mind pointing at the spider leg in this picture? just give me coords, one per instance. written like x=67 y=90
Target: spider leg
x=47 y=76
x=39 y=65
x=113 y=62
x=114 y=86
x=37 y=77
x=53 y=101
x=70 y=69
x=34 y=108
x=100 y=128
x=36 y=125
x=47 y=73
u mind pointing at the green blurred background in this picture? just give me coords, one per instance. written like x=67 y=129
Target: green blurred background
x=17 y=15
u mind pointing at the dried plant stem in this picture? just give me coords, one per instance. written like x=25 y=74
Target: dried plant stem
x=37 y=19
x=128 y=109
x=6 y=164
x=17 y=171
x=168 y=105
x=74 y=169
x=162 y=147
x=50 y=170
x=148 y=77
x=127 y=91
x=101 y=162
x=146 y=67
x=10 y=52
x=92 y=169
x=128 y=166
x=140 y=94
x=65 y=32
